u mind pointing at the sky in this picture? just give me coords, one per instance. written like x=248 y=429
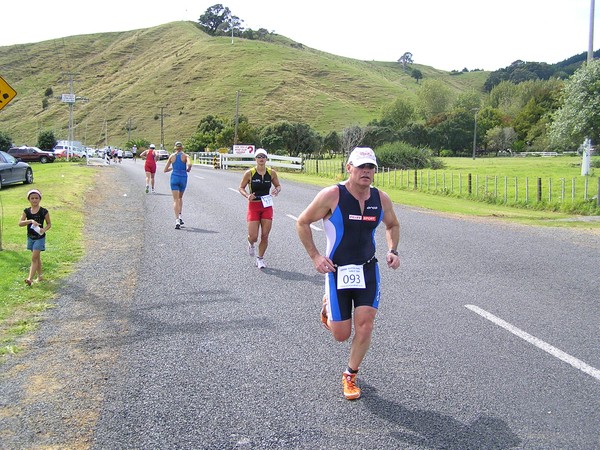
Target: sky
x=448 y=35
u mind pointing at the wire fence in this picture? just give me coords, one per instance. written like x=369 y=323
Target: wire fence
x=577 y=194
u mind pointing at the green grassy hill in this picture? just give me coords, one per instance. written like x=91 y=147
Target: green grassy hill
x=129 y=78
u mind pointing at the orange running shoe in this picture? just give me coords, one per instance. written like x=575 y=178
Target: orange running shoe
x=324 y=313
x=351 y=390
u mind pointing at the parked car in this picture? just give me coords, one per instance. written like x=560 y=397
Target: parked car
x=162 y=154
x=31 y=154
x=13 y=171
x=60 y=151
x=127 y=154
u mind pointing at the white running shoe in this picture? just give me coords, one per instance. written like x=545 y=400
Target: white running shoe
x=146 y=189
x=153 y=191
x=177 y=224
x=251 y=250
x=260 y=263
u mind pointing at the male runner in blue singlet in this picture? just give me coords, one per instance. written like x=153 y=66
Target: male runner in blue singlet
x=351 y=212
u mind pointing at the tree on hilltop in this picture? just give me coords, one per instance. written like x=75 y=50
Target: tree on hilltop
x=406 y=59
x=218 y=20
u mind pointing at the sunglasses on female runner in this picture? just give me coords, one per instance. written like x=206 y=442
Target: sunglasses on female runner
x=260 y=156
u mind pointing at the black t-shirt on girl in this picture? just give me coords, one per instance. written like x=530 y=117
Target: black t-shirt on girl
x=39 y=217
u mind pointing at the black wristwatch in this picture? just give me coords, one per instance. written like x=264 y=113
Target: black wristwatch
x=393 y=252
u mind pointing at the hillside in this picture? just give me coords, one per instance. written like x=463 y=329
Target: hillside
x=128 y=79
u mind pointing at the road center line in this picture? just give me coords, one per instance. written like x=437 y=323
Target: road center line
x=311 y=225
x=565 y=357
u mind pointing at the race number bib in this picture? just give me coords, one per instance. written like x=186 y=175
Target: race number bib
x=350 y=277
x=266 y=200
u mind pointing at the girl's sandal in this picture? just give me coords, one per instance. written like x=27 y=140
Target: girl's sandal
x=28 y=281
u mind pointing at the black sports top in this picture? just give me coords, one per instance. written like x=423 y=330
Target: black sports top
x=260 y=184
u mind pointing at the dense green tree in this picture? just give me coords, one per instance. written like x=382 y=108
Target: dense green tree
x=543 y=99
x=46 y=140
x=400 y=155
x=139 y=143
x=494 y=79
x=246 y=134
x=434 y=98
x=5 y=141
x=579 y=116
x=415 y=134
x=214 y=19
x=416 y=74
x=293 y=137
x=377 y=135
x=332 y=143
x=206 y=134
x=488 y=118
x=398 y=114
x=455 y=133
x=521 y=75
x=467 y=101
x=305 y=140
x=499 y=139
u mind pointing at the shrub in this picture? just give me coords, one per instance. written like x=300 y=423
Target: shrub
x=400 y=155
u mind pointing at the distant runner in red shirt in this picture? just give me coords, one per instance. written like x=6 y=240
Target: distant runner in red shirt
x=151 y=157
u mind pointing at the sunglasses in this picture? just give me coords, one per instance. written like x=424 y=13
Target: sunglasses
x=260 y=156
x=368 y=166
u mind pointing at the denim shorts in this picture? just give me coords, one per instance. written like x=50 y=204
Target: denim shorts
x=36 y=244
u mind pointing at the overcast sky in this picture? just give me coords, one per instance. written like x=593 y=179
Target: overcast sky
x=445 y=34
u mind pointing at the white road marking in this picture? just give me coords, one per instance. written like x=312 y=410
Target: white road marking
x=200 y=178
x=565 y=357
x=311 y=225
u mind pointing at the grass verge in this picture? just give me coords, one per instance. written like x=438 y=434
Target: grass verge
x=63 y=186
x=465 y=207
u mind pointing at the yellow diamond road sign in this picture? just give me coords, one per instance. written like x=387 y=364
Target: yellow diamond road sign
x=6 y=93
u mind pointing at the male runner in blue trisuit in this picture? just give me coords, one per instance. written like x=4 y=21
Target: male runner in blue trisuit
x=351 y=212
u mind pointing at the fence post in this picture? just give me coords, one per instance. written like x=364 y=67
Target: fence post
x=539 y=190
x=598 y=194
x=416 y=180
x=469 y=184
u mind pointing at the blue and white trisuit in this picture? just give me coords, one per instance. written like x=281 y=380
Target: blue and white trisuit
x=351 y=241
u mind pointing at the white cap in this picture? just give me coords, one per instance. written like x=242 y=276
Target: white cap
x=362 y=155
x=34 y=191
x=152 y=146
x=260 y=151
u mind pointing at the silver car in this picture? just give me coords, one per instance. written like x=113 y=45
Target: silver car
x=13 y=171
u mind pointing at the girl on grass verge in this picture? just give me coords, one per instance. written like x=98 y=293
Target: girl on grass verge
x=34 y=219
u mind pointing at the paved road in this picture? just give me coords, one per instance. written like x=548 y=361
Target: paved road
x=487 y=335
